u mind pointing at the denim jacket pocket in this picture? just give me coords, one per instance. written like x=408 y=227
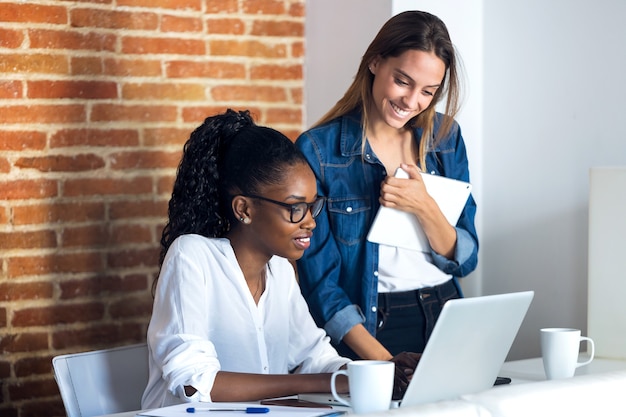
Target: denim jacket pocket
x=349 y=218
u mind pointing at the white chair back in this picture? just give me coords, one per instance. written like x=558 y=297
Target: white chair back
x=104 y=381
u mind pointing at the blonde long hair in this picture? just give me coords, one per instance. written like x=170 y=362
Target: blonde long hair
x=411 y=30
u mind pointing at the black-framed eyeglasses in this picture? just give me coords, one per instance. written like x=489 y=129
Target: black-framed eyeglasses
x=297 y=211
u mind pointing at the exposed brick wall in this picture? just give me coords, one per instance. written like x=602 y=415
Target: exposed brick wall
x=96 y=99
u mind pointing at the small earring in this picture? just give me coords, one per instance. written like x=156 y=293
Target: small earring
x=245 y=220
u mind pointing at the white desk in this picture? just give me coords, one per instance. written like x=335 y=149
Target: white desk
x=529 y=370
x=521 y=371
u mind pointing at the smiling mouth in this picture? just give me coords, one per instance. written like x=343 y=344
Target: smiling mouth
x=399 y=111
x=303 y=243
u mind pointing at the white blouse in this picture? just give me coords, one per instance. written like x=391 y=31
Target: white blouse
x=204 y=320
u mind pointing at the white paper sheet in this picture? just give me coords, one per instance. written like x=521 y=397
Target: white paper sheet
x=180 y=410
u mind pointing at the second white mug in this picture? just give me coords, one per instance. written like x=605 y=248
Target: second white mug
x=559 y=350
x=370 y=383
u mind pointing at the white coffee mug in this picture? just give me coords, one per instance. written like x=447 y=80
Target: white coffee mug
x=370 y=383
x=559 y=350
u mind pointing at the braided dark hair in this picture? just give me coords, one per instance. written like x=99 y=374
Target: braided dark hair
x=228 y=154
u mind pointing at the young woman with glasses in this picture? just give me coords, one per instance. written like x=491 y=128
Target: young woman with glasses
x=229 y=322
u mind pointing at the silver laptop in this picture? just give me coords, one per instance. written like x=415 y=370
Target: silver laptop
x=466 y=350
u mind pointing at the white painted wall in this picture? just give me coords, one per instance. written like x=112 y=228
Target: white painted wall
x=546 y=93
x=553 y=97
x=337 y=32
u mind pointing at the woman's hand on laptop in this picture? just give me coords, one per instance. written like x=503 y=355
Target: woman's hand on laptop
x=405 y=366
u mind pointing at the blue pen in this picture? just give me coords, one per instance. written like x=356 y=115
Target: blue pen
x=247 y=410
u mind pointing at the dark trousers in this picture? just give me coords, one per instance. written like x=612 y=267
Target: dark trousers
x=406 y=319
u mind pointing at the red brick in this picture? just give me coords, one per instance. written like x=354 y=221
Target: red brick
x=107 y=186
x=28 y=239
x=11 y=89
x=166 y=136
x=144 y=45
x=132 y=307
x=162 y=91
x=43 y=114
x=58 y=213
x=283 y=116
x=94 y=137
x=247 y=48
x=34 y=64
x=3 y=317
x=4 y=217
x=277 y=28
x=133 y=258
x=180 y=24
x=132 y=67
x=77 y=262
x=40 y=406
x=72 y=89
x=26 y=389
x=10 y=38
x=95 y=286
x=72 y=40
x=33 y=13
x=25 y=189
x=135 y=209
x=297 y=9
x=276 y=72
x=130 y=234
x=103 y=286
x=165 y=185
x=86 y=65
x=145 y=160
x=85 y=236
x=61 y=163
x=12 y=291
x=222 y=6
x=144 y=114
x=99 y=336
x=18 y=140
x=264 y=7
x=23 y=342
x=297 y=49
x=296 y=95
x=58 y=314
x=5 y=372
x=113 y=19
x=227 y=26
x=205 y=69
x=5 y=165
x=248 y=93
x=33 y=365
x=163 y=4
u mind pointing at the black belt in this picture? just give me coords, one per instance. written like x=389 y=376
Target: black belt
x=443 y=291
x=439 y=293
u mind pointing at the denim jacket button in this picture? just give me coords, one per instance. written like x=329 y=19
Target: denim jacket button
x=349 y=209
x=374 y=309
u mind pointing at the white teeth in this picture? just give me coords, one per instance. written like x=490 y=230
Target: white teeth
x=398 y=110
x=304 y=239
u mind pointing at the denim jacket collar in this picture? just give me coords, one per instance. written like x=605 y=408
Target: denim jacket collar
x=351 y=135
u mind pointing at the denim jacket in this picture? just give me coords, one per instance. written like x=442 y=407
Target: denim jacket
x=338 y=274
